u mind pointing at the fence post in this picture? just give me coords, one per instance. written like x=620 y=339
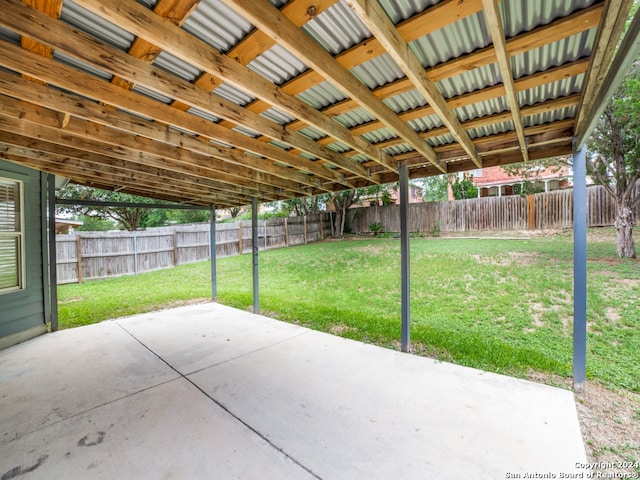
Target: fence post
x=531 y=211
x=135 y=253
x=239 y=238
x=265 y=234
x=286 y=232
x=304 y=227
x=79 y=255
x=175 y=248
x=321 y=227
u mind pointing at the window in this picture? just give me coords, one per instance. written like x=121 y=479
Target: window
x=11 y=236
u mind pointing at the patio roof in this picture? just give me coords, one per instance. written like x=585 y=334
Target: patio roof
x=222 y=101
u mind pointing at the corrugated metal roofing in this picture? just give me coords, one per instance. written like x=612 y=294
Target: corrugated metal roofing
x=470 y=81
x=463 y=36
x=519 y=17
x=380 y=135
x=321 y=95
x=399 y=10
x=550 y=91
x=563 y=51
x=488 y=107
x=9 y=36
x=405 y=101
x=106 y=31
x=233 y=94
x=75 y=63
x=377 y=71
x=277 y=65
x=151 y=94
x=177 y=66
x=337 y=28
x=277 y=116
x=494 y=129
x=549 y=117
x=206 y=115
x=354 y=118
x=216 y=24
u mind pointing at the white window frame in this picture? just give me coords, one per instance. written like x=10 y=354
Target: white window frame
x=19 y=235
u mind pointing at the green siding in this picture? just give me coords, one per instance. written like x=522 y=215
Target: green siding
x=23 y=310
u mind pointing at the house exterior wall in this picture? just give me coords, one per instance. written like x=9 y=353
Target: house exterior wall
x=23 y=313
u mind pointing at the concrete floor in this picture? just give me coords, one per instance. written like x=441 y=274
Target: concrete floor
x=206 y=391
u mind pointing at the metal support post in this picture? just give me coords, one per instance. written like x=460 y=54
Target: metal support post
x=404 y=256
x=254 y=244
x=53 y=268
x=213 y=244
x=579 y=271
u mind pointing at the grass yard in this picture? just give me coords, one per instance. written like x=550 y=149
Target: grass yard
x=496 y=304
x=499 y=305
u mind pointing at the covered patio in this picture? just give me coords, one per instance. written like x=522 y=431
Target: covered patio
x=207 y=391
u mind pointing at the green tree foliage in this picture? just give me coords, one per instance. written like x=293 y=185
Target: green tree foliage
x=531 y=171
x=94 y=224
x=463 y=188
x=126 y=218
x=613 y=156
x=434 y=189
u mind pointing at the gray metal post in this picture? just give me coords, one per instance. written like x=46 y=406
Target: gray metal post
x=53 y=267
x=254 y=243
x=579 y=270
x=213 y=249
x=404 y=256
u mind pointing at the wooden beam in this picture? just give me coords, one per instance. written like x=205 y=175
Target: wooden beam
x=140 y=21
x=219 y=158
x=611 y=27
x=379 y=24
x=85 y=149
x=101 y=55
x=494 y=24
x=55 y=73
x=176 y=11
x=269 y=19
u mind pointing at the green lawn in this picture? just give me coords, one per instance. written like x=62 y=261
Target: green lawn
x=500 y=305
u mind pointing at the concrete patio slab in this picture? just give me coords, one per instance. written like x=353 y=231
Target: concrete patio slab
x=206 y=391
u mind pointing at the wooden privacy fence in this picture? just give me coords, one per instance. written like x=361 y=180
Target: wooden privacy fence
x=549 y=210
x=92 y=255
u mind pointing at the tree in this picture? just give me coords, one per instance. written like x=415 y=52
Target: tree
x=531 y=171
x=302 y=206
x=434 y=189
x=126 y=217
x=341 y=202
x=613 y=156
x=463 y=188
x=93 y=224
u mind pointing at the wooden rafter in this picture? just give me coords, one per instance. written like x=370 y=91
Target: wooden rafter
x=494 y=22
x=379 y=24
x=146 y=24
x=269 y=19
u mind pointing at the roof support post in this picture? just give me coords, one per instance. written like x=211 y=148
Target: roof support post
x=404 y=256
x=579 y=271
x=213 y=244
x=254 y=244
x=53 y=268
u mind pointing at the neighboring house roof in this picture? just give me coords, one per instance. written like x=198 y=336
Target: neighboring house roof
x=497 y=176
x=63 y=225
x=231 y=100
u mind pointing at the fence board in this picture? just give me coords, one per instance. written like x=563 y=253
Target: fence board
x=109 y=254
x=550 y=210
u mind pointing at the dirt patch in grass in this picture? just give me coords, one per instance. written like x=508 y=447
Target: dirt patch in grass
x=512 y=258
x=340 y=329
x=609 y=421
x=371 y=249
